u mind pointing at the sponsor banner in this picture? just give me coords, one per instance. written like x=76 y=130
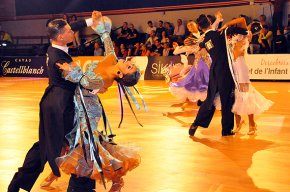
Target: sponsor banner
x=269 y=66
x=156 y=65
x=261 y=66
x=23 y=66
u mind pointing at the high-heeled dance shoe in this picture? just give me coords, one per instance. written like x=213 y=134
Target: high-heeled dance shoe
x=117 y=185
x=48 y=180
x=238 y=128
x=252 y=129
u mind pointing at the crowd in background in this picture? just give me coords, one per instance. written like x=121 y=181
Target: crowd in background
x=160 y=40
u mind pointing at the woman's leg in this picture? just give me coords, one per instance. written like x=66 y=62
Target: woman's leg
x=117 y=184
x=252 y=125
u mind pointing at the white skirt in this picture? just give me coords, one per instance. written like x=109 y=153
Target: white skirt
x=251 y=102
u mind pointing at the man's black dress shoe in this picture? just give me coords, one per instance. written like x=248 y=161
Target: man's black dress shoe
x=192 y=129
x=228 y=134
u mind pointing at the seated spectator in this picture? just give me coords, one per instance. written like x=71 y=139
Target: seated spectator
x=123 y=51
x=167 y=51
x=150 y=41
x=265 y=40
x=4 y=36
x=164 y=38
x=133 y=35
x=98 y=51
x=149 y=29
x=169 y=29
x=179 y=31
x=76 y=41
x=255 y=28
x=160 y=29
x=66 y=17
x=122 y=37
x=263 y=20
x=156 y=49
x=137 y=50
x=280 y=42
x=116 y=48
x=145 y=51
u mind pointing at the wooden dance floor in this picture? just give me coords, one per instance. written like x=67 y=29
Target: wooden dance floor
x=171 y=160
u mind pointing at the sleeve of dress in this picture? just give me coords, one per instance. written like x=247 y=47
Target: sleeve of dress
x=89 y=79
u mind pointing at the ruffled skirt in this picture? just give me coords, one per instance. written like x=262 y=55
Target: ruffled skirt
x=194 y=86
x=251 y=102
x=116 y=161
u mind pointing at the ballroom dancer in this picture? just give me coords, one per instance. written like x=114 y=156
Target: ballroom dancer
x=248 y=101
x=220 y=81
x=189 y=83
x=56 y=108
x=92 y=153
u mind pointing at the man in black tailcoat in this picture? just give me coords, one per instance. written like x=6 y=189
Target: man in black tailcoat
x=220 y=81
x=56 y=113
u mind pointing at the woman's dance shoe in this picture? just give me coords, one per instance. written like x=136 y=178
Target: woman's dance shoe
x=238 y=128
x=48 y=180
x=252 y=129
x=117 y=185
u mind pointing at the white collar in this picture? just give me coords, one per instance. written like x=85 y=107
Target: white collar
x=197 y=34
x=63 y=48
x=208 y=31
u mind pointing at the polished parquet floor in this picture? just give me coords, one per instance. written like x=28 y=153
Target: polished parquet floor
x=171 y=161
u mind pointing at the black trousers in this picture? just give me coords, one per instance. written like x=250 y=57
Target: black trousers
x=81 y=184
x=31 y=169
x=205 y=114
x=29 y=172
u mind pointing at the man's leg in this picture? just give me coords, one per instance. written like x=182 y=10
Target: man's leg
x=81 y=184
x=203 y=117
x=29 y=172
x=227 y=101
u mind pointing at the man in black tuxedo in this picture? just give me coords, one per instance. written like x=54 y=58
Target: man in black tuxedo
x=56 y=113
x=220 y=81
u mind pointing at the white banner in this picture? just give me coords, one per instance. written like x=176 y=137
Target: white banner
x=269 y=66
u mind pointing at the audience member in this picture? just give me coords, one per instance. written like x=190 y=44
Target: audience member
x=160 y=29
x=98 y=51
x=4 y=36
x=156 y=49
x=122 y=37
x=263 y=20
x=123 y=51
x=144 y=50
x=150 y=41
x=133 y=36
x=149 y=29
x=265 y=40
x=164 y=38
x=76 y=41
x=169 y=29
x=280 y=42
x=179 y=30
x=167 y=50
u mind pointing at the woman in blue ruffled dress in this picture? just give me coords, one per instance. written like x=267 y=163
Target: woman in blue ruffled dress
x=189 y=83
x=93 y=153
